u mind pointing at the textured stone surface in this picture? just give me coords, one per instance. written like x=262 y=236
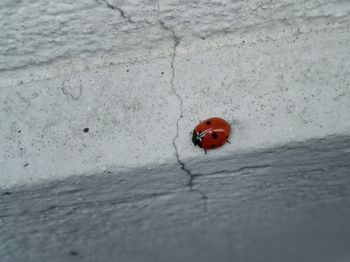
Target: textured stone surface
x=272 y=92
x=128 y=111
x=45 y=32
x=289 y=203
x=112 y=89
x=37 y=32
x=278 y=91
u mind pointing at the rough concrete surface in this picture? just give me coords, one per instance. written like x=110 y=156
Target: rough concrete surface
x=287 y=203
x=97 y=103
x=41 y=32
x=139 y=114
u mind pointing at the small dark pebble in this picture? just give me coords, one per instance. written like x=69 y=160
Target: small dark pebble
x=86 y=129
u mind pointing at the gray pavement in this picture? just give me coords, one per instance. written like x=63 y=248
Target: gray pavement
x=289 y=203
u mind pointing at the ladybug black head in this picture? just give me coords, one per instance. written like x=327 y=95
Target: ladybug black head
x=196 y=139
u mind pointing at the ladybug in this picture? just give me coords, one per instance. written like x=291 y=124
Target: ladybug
x=211 y=133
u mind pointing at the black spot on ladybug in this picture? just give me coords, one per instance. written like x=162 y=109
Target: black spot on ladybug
x=213 y=146
x=208 y=123
x=86 y=129
x=73 y=253
x=214 y=135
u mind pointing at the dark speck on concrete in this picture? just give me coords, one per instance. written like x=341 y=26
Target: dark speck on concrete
x=86 y=129
x=162 y=73
x=26 y=164
x=19 y=131
x=127 y=70
x=73 y=252
x=6 y=193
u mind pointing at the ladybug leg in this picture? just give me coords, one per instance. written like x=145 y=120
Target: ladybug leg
x=205 y=151
x=228 y=141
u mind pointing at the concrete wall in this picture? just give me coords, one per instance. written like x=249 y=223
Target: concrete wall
x=140 y=75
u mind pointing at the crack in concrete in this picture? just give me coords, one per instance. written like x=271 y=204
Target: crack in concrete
x=176 y=42
x=120 y=10
x=239 y=170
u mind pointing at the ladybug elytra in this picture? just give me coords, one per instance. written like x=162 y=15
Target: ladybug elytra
x=211 y=133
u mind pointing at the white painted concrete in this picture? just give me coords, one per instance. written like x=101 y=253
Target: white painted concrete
x=43 y=32
x=129 y=112
x=273 y=92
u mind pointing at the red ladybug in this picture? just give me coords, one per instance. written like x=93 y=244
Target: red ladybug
x=211 y=133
